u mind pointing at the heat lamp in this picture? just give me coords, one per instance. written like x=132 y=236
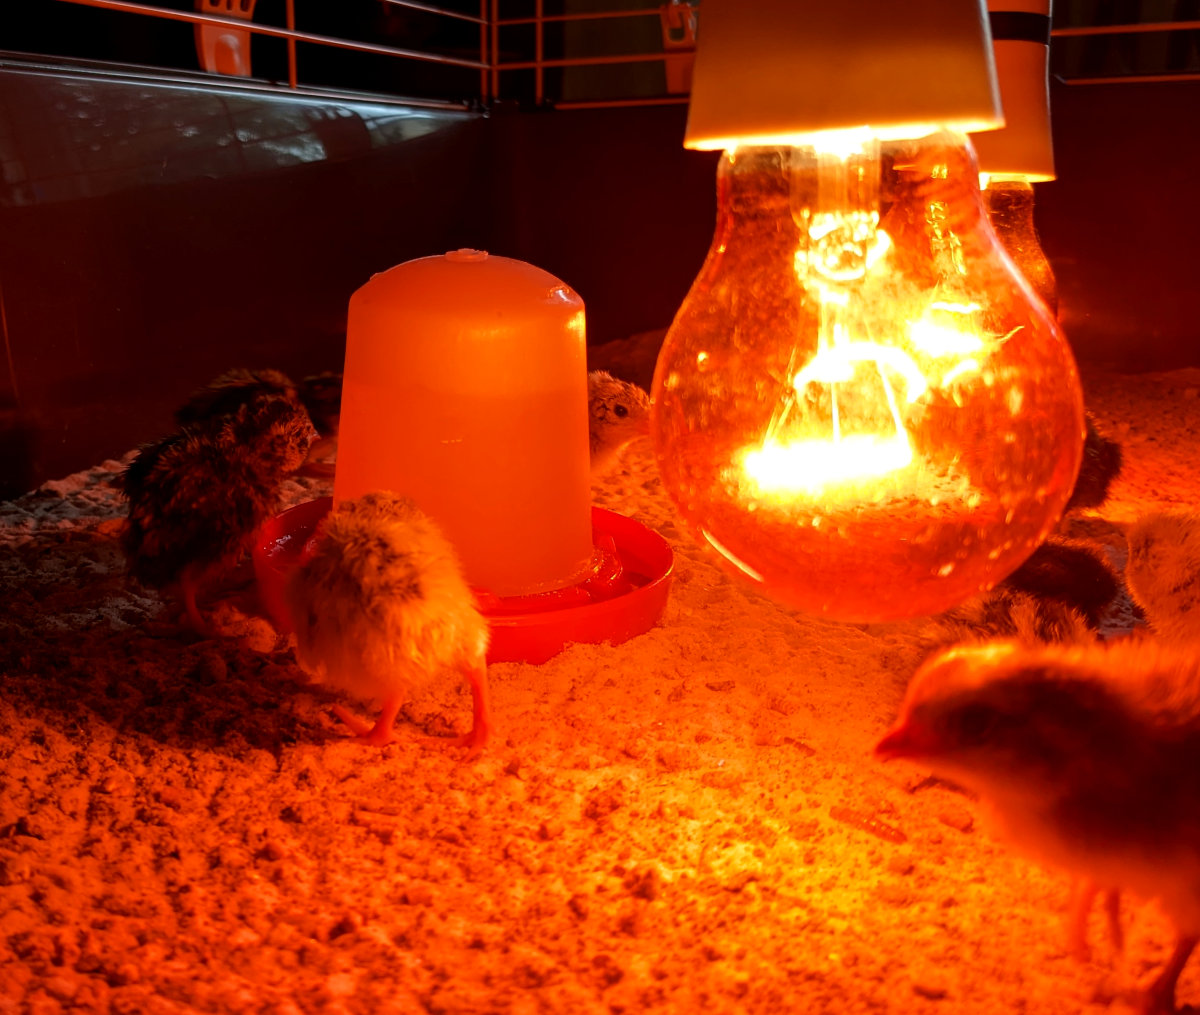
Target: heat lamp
x=1021 y=153
x=861 y=405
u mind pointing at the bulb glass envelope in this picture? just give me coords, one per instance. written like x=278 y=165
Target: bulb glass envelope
x=771 y=72
x=861 y=405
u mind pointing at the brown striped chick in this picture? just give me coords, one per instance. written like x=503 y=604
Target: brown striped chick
x=319 y=396
x=618 y=413
x=1163 y=573
x=224 y=395
x=1056 y=596
x=197 y=496
x=1088 y=758
x=381 y=611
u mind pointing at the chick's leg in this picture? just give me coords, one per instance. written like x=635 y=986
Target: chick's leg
x=189 y=588
x=1083 y=894
x=380 y=734
x=481 y=726
x=1112 y=906
x=1160 y=996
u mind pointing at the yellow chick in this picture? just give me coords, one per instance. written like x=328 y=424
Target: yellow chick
x=381 y=611
x=1088 y=758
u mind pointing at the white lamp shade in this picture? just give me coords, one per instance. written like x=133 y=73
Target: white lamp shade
x=770 y=72
x=1024 y=148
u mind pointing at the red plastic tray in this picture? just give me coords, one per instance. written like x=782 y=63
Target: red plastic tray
x=624 y=596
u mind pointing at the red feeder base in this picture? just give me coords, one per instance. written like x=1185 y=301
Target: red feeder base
x=624 y=595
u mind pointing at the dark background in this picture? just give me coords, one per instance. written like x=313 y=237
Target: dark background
x=155 y=231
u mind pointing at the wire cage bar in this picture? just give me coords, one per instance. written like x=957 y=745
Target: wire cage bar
x=576 y=54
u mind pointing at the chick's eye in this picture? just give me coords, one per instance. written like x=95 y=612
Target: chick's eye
x=620 y=411
x=973 y=723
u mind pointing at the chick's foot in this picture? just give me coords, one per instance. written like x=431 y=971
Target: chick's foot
x=481 y=724
x=379 y=734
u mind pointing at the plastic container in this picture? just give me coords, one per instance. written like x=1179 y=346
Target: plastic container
x=465 y=389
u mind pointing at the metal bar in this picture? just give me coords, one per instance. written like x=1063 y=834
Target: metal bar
x=584 y=16
x=591 y=60
x=430 y=9
x=495 y=19
x=279 y=33
x=666 y=100
x=485 y=71
x=539 y=75
x=8 y=353
x=1134 y=79
x=291 y=44
x=154 y=77
x=1153 y=26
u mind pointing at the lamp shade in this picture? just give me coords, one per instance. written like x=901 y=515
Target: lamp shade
x=1023 y=149
x=770 y=72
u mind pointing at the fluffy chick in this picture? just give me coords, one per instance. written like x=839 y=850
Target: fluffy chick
x=319 y=396
x=1163 y=572
x=1088 y=757
x=618 y=413
x=1008 y=613
x=381 y=610
x=1070 y=571
x=1056 y=596
x=226 y=394
x=197 y=496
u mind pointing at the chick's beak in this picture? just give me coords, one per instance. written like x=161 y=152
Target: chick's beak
x=901 y=741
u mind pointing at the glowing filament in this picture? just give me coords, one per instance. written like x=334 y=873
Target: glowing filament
x=810 y=466
x=942 y=330
x=836 y=365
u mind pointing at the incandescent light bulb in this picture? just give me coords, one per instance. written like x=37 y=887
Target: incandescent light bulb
x=861 y=404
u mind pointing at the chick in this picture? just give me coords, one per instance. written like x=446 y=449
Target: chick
x=1008 y=613
x=1070 y=571
x=618 y=413
x=319 y=396
x=1088 y=757
x=224 y=395
x=197 y=496
x=1054 y=597
x=1100 y=465
x=381 y=610
x=1057 y=595
x=1163 y=572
